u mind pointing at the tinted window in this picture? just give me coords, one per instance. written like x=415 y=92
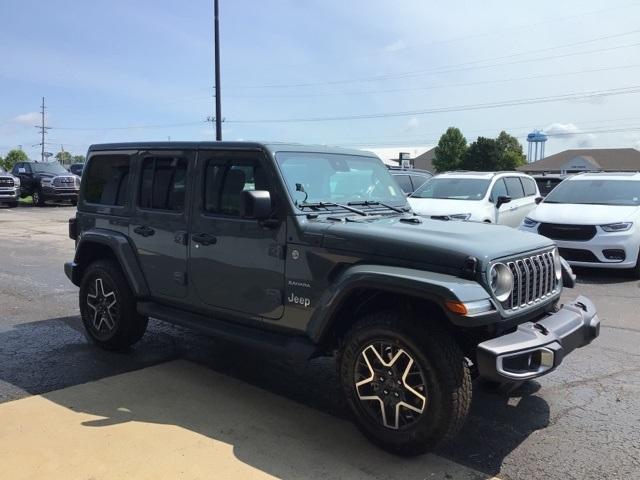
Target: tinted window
x=418 y=180
x=405 y=183
x=499 y=190
x=163 y=183
x=529 y=186
x=545 y=185
x=226 y=180
x=514 y=187
x=453 y=188
x=596 y=192
x=107 y=180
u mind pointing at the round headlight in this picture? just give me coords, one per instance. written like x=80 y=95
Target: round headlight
x=557 y=265
x=500 y=281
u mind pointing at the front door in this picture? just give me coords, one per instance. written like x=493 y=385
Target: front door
x=235 y=263
x=159 y=225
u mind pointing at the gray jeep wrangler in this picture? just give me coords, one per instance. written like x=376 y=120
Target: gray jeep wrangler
x=314 y=251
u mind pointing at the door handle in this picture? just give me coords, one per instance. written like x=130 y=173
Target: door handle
x=204 y=239
x=144 y=231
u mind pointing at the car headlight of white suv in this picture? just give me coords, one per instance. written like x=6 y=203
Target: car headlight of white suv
x=617 y=227
x=460 y=216
x=529 y=222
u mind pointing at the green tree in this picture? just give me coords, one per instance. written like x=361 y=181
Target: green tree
x=14 y=156
x=483 y=155
x=78 y=159
x=510 y=152
x=451 y=150
x=63 y=157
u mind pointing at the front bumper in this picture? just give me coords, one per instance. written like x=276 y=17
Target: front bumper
x=537 y=348
x=50 y=193
x=9 y=194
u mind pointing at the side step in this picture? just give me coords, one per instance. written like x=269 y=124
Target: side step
x=296 y=347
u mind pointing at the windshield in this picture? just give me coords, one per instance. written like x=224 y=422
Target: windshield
x=597 y=192
x=338 y=178
x=53 y=167
x=453 y=188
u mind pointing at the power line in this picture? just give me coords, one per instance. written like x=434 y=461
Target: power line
x=131 y=127
x=445 y=85
x=459 y=108
x=461 y=66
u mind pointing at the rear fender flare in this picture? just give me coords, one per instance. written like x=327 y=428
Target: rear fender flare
x=122 y=250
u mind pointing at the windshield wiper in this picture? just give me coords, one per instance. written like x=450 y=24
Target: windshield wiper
x=332 y=204
x=366 y=203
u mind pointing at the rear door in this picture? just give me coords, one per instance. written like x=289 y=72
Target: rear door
x=236 y=264
x=25 y=174
x=530 y=194
x=159 y=224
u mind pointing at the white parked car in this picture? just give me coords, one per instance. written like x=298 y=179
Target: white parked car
x=594 y=218
x=491 y=197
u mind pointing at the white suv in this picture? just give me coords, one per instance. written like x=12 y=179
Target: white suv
x=491 y=197
x=594 y=218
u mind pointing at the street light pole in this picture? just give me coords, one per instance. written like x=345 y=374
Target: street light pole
x=217 y=63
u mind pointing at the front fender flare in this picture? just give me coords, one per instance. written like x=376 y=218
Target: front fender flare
x=437 y=287
x=122 y=249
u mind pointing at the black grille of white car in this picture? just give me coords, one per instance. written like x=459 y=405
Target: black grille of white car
x=557 y=231
x=65 y=182
x=534 y=280
x=6 y=182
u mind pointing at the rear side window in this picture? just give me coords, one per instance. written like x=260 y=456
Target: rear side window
x=163 y=183
x=529 y=186
x=107 y=180
x=405 y=183
x=514 y=187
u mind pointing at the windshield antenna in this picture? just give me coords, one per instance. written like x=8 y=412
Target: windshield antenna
x=300 y=188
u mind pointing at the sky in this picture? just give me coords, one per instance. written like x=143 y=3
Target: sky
x=363 y=73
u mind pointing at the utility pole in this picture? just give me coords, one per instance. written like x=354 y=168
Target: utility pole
x=218 y=117
x=43 y=130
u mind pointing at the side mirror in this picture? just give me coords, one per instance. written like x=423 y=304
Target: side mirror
x=255 y=204
x=538 y=200
x=502 y=199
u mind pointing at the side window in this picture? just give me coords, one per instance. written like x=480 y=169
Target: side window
x=163 y=183
x=418 y=181
x=405 y=183
x=499 y=190
x=529 y=186
x=107 y=180
x=514 y=187
x=226 y=180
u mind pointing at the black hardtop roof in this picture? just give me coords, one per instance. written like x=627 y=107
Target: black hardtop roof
x=272 y=147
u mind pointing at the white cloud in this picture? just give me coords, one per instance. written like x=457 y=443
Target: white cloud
x=587 y=141
x=412 y=124
x=395 y=46
x=566 y=130
x=31 y=118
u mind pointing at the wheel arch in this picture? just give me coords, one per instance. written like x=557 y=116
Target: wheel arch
x=100 y=244
x=363 y=289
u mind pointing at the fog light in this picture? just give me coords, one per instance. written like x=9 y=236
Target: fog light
x=616 y=254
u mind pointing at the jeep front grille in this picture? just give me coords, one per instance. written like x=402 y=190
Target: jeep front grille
x=533 y=280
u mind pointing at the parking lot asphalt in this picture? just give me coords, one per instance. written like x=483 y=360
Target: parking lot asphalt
x=183 y=404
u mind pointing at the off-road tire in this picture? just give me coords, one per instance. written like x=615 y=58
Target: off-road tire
x=444 y=369
x=36 y=198
x=128 y=325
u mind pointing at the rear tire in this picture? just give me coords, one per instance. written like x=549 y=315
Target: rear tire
x=412 y=359
x=108 y=307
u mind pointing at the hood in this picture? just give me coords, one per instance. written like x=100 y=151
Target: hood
x=436 y=242
x=574 y=214
x=438 y=206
